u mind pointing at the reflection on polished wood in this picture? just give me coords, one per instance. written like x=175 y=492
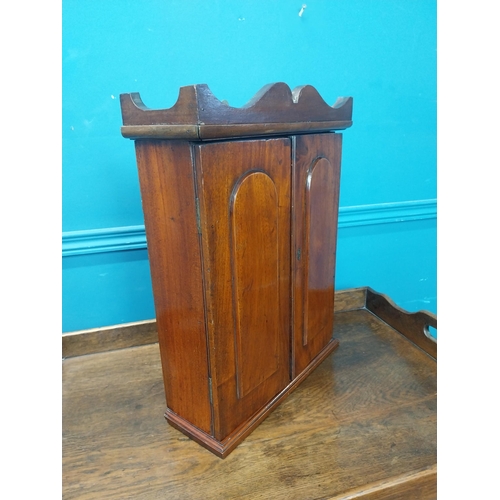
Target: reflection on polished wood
x=362 y=425
x=316 y=174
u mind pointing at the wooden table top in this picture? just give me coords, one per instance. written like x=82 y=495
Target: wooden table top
x=362 y=425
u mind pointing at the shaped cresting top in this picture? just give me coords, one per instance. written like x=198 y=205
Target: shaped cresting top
x=199 y=115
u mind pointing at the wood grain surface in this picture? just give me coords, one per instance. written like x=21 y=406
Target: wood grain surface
x=316 y=178
x=168 y=199
x=244 y=197
x=109 y=338
x=199 y=115
x=414 y=326
x=362 y=425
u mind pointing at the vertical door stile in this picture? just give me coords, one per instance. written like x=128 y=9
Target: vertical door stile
x=198 y=191
x=295 y=252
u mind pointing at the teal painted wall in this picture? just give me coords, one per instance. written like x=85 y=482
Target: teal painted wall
x=381 y=52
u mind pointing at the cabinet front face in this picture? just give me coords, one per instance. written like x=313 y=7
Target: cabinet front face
x=243 y=188
x=315 y=200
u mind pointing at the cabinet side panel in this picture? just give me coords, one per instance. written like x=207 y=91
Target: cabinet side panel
x=316 y=176
x=168 y=199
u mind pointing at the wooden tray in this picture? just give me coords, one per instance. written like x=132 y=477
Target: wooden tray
x=363 y=425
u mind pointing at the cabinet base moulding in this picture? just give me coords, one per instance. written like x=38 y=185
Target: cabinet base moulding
x=223 y=448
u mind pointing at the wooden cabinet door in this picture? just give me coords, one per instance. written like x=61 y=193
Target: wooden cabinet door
x=243 y=190
x=316 y=168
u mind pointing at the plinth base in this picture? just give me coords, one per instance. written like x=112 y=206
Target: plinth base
x=227 y=445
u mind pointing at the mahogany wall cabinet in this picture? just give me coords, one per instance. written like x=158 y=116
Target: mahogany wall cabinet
x=240 y=208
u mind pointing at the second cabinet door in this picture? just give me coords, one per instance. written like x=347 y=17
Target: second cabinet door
x=316 y=171
x=244 y=193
